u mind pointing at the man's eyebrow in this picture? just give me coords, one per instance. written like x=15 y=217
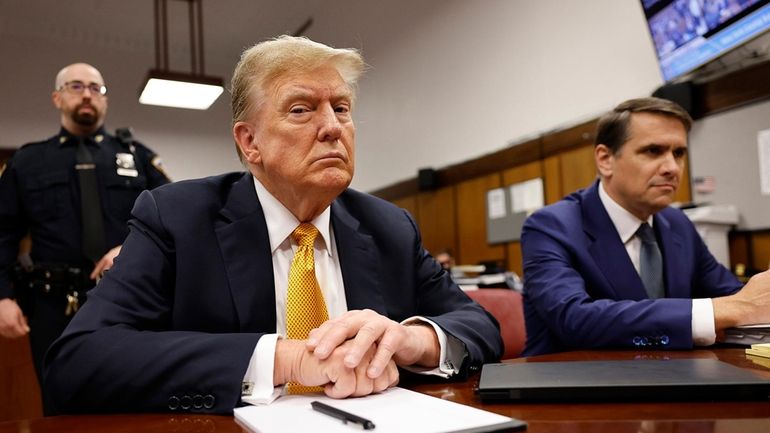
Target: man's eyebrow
x=653 y=146
x=302 y=92
x=296 y=92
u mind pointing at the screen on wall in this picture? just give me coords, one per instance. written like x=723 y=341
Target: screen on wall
x=690 y=33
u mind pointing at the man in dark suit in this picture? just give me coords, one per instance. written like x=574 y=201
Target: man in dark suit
x=195 y=314
x=614 y=266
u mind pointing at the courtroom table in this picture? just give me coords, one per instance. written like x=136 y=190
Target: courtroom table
x=609 y=417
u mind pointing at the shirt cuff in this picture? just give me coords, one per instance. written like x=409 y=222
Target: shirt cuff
x=452 y=352
x=257 y=387
x=703 y=332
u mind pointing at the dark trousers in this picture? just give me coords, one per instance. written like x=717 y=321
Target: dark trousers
x=46 y=322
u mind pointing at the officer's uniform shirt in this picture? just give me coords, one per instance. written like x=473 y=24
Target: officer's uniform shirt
x=39 y=193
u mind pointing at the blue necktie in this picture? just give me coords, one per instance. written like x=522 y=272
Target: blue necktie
x=650 y=263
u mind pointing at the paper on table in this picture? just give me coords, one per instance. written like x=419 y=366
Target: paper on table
x=395 y=410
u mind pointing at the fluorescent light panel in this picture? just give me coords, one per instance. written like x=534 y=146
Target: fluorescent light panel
x=180 y=90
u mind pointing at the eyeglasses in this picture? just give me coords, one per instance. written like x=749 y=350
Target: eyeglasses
x=78 y=87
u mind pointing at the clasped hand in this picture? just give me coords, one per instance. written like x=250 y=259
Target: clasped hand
x=357 y=353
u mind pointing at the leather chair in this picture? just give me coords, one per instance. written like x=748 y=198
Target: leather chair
x=506 y=306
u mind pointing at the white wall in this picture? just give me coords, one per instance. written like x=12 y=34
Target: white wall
x=450 y=80
x=725 y=147
x=471 y=77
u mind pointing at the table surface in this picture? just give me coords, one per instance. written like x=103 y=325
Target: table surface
x=646 y=417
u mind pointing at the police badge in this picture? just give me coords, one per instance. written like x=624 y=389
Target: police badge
x=126 y=165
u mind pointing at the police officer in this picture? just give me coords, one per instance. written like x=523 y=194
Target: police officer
x=72 y=194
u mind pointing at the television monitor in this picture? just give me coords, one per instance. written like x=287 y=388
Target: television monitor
x=689 y=33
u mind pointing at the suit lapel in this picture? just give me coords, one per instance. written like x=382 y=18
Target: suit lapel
x=607 y=250
x=245 y=247
x=359 y=260
x=673 y=258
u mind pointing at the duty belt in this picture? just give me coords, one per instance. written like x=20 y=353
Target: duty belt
x=72 y=282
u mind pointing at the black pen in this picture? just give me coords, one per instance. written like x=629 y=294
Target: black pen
x=346 y=417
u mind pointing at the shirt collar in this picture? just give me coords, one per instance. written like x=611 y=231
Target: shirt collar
x=65 y=137
x=624 y=221
x=281 y=222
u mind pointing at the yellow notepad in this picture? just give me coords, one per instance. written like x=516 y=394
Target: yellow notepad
x=760 y=360
x=759 y=349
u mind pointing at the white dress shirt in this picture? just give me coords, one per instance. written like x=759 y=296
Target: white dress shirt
x=626 y=224
x=258 y=380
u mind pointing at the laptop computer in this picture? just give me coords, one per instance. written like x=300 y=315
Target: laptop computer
x=676 y=379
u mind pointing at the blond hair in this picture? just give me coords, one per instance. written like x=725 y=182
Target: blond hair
x=267 y=60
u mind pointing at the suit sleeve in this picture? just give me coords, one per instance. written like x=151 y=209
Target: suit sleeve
x=556 y=279
x=121 y=352
x=443 y=302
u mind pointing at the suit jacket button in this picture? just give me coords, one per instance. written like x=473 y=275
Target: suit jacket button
x=208 y=401
x=664 y=340
x=637 y=341
x=197 y=401
x=185 y=402
x=173 y=402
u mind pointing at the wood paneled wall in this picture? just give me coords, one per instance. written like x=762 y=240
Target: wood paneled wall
x=19 y=391
x=578 y=169
x=472 y=221
x=454 y=216
x=522 y=173
x=438 y=219
x=750 y=249
x=760 y=250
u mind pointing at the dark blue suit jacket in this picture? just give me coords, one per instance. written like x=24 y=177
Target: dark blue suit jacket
x=582 y=291
x=192 y=291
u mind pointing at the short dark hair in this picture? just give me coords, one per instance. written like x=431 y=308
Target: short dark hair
x=612 y=128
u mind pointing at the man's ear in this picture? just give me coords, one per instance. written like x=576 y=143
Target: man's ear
x=605 y=160
x=56 y=99
x=244 y=133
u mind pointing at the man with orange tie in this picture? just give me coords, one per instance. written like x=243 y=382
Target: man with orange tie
x=230 y=287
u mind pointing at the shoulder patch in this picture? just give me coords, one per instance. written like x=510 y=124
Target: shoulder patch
x=158 y=164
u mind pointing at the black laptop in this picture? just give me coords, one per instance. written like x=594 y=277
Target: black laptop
x=675 y=379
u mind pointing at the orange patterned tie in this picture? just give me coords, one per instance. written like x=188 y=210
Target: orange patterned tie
x=305 y=306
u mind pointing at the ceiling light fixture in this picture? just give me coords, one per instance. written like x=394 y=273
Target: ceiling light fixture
x=178 y=89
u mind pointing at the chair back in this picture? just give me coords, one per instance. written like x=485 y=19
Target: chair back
x=507 y=307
